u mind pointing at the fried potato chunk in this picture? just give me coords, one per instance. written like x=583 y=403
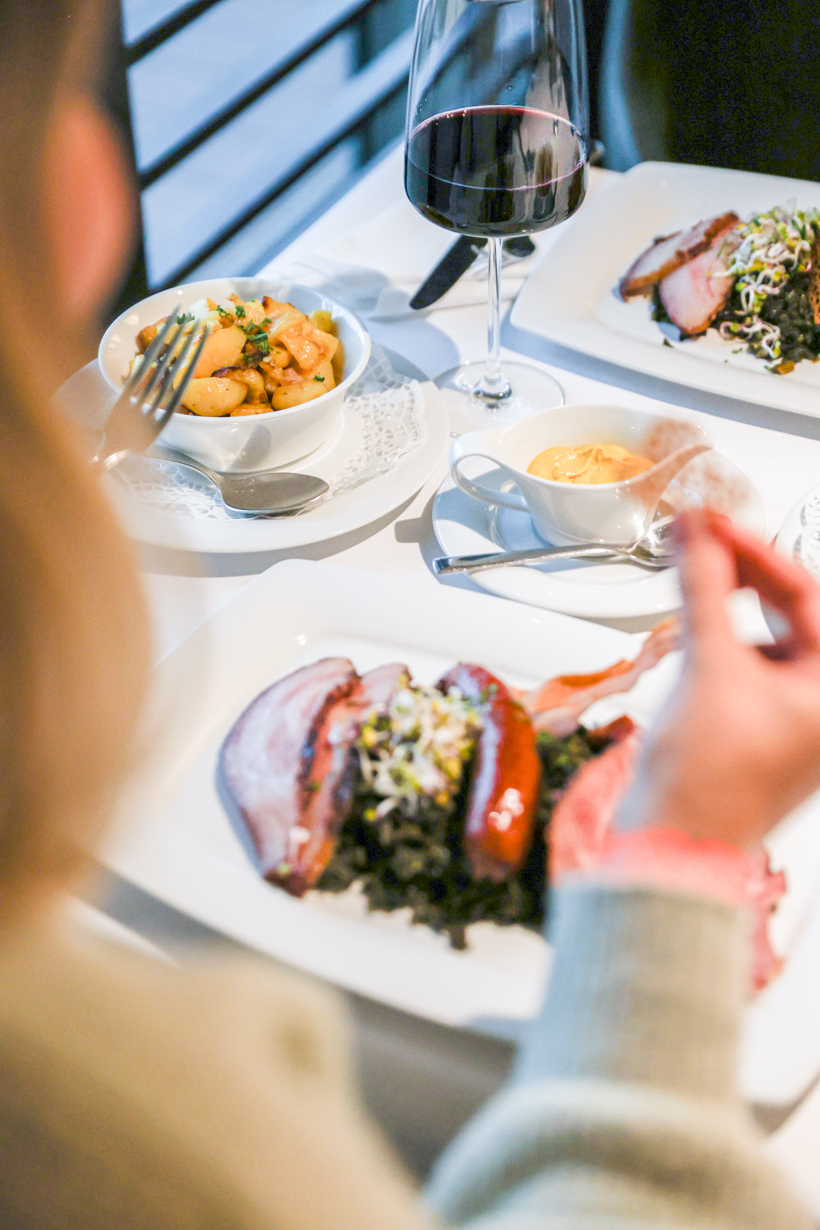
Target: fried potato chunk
x=324 y=321
x=288 y=395
x=214 y=396
x=259 y=349
x=146 y=336
x=222 y=349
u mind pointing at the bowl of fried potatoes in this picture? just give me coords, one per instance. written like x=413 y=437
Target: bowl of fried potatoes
x=269 y=385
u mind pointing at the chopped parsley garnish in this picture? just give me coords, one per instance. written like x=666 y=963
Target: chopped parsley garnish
x=221 y=311
x=239 y=311
x=258 y=338
x=321 y=379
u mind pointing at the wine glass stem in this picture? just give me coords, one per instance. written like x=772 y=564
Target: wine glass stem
x=493 y=385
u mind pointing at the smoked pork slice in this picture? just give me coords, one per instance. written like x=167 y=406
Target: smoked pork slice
x=601 y=737
x=693 y=295
x=329 y=793
x=669 y=252
x=814 y=279
x=266 y=760
x=557 y=705
x=582 y=816
x=765 y=888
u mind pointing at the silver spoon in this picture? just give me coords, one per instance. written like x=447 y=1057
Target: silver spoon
x=654 y=550
x=265 y=491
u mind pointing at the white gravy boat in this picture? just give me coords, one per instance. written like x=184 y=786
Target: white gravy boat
x=563 y=513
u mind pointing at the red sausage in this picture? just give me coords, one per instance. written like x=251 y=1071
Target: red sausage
x=505 y=774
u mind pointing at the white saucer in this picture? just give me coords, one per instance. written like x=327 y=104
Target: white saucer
x=464 y=526
x=185 y=526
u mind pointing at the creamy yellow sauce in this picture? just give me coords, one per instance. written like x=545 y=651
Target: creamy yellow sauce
x=588 y=463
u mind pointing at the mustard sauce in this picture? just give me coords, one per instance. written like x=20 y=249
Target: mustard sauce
x=588 y=463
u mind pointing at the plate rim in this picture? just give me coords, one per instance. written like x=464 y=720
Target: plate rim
x=157 y=527
x=568 y=598
x=576 y=600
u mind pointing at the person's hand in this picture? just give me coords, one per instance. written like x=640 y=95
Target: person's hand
x=738 y=745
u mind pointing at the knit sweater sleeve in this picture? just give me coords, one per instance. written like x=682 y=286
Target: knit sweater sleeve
x=623 y=1112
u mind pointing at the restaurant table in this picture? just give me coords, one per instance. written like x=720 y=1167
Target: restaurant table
x=422 y=1080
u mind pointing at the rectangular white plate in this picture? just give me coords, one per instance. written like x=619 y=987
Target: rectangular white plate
x=175 y=841
x=571 y=297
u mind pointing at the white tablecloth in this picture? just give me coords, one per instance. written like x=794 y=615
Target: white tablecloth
x=779 y=452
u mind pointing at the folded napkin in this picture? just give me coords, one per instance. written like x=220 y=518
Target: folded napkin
x=378 y=267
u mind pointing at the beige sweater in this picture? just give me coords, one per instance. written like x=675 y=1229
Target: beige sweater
x=135 y=1095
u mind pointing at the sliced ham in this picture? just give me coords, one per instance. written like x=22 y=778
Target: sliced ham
x=693 y=295
x=765 y=888
x=814 y=279
x=602 y=736
x=670 y=252
x=328 y=794
x=583 y=816
x=266 y=761
x=557 y=705
x=289 y=764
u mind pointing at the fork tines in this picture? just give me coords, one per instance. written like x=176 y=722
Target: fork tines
x=154 y=390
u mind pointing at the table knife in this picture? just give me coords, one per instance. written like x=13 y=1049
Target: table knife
x=457 y=260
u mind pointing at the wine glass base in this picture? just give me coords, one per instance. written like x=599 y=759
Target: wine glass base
x=533 y=390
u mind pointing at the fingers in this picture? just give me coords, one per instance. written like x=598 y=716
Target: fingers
x=708 y=576
x=781 y=584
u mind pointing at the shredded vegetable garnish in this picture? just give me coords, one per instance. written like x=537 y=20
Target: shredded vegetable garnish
x=775 y=247
x=415 y=747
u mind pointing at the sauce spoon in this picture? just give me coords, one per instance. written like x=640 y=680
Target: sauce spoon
x=654 y=550
x=271 y=492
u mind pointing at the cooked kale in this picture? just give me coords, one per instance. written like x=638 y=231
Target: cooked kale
x=792 y=313
x=418 y=862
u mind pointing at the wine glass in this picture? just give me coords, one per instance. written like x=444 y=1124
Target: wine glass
x=496 y=146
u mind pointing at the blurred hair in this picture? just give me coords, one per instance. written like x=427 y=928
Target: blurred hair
x=73 y=639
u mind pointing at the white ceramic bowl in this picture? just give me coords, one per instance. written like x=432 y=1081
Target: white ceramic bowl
x=252 y=442
x=569 y=513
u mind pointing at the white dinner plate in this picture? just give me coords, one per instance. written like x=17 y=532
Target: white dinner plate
x=464 y=526
x=175 y=841
x=186 y=527
x=571 y=296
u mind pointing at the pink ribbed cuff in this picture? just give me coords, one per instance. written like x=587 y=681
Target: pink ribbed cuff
x=667 y=858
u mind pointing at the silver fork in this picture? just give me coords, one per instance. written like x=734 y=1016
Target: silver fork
x=152 y=392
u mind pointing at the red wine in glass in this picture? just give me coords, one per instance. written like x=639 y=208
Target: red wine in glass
x=496 y=147
x=496 y=171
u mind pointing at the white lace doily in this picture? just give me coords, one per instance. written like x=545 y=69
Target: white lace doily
x=807 y=547
x=383 y=422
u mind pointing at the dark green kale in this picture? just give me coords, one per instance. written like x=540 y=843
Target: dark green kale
x=418 y=862
x=789 y=309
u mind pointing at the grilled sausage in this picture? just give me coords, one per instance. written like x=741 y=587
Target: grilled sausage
x=504 y=777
